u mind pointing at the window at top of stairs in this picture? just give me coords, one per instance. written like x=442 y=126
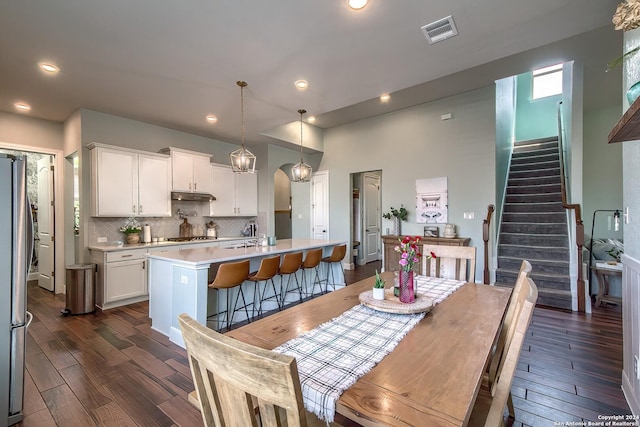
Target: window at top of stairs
x=547 y=81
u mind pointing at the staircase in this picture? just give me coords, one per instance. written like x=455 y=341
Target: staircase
x=534 y=223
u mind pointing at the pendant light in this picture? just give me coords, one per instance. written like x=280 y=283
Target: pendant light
x=302 y=171
x=242 y=160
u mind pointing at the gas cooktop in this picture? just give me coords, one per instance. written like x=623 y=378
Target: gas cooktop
x=188 y=239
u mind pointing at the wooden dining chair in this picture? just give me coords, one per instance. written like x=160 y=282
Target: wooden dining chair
x=508 y=325
x=488 y=409
x=237 y=383
x=451 y=262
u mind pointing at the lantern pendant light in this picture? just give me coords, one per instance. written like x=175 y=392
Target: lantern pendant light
x=242 y=160
x=302 y=171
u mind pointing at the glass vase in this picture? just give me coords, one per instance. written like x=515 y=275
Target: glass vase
x=633 y=92
x=407 y=287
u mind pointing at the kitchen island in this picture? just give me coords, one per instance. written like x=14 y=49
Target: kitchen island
x=178 y=280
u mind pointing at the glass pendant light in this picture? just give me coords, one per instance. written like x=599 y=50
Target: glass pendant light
x=302 y=171
x=242 y=160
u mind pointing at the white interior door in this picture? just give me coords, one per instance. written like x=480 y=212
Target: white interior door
x=371 y=217
x=45 y=223
x=320 y=206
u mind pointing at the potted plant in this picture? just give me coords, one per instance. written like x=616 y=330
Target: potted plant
x=132 y=229
x=397 y=215
x=378 y=288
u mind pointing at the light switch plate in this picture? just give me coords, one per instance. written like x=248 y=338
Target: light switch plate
x=469 y=215
x=184 y=280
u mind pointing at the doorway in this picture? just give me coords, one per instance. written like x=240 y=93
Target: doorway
x=282 y=204
x=40 y=185
x=366 y=218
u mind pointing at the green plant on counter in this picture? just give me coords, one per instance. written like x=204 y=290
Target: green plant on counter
x=130 y=226
x=402 y=214
x=379 y=282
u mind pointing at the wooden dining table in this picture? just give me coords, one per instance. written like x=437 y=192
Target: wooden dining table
x=431 y=378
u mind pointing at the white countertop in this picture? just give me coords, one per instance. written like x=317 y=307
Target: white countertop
x=212 y=255
x=111 y=246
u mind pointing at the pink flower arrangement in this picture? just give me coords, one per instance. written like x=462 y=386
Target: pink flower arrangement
x=410 y=252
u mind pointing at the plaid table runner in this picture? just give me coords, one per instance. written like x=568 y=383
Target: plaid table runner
x=332 y=356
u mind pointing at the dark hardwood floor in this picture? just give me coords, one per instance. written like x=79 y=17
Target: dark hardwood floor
x=110 y=369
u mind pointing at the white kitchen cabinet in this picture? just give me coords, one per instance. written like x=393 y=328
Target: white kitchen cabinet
x=129 y=183
x=121 y=278
x=236 y=193
x=190 y=171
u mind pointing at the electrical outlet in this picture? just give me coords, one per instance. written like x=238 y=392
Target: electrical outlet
x=469 y=215
x=184 y=280
x=102 y=240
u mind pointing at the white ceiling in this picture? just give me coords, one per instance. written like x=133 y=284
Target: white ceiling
x=173 y=62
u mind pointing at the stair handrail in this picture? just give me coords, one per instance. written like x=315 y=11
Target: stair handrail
x=485 y=236
x=576 y=210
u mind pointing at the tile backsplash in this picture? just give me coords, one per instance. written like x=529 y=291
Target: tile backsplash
x=170 y=227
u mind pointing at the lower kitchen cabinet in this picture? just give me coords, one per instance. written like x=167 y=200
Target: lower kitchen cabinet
x=122 y=277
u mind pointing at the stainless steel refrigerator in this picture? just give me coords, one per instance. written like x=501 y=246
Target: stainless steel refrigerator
x=16 y=248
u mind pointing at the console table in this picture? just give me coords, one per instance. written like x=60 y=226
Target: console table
x=391 y=257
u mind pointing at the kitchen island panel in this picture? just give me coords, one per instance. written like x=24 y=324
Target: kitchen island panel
x=178 y=280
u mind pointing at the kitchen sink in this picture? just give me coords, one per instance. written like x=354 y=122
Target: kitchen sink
x=247 y=244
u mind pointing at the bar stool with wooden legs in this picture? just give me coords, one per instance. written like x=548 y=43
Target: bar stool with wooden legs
x=311 y=262
x=229 y=276
x=267 y=270
x=291 y=263
x=337 y=255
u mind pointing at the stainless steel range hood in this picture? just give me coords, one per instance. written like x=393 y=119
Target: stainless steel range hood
x=191 y=197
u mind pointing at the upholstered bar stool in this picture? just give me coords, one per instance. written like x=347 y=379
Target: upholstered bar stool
x=267 y=270
x=337 y=255
x=229 y=276
x=312 y=262
x=291 y=264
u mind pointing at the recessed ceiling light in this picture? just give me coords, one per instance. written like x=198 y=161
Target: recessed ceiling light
x=211 y=118
x=301 y=84
x=385 y=97
x=21 y=106
x=49 y=68
x=311 y=119
x=357 y=4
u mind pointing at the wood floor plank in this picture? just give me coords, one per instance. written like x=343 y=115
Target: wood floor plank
x=182 y=367
x=149 y=361
x=112 y=415
x=182 y=412
x=44 y=374
x=112 y=337
x=135 y=402
x=84 y=387
x=65 y=408
x=41 y=418
x=33 y=401
x=58 y=354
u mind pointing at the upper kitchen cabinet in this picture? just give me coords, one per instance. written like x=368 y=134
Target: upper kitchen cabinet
x=129 y=183
x=236 y=193
x=191 y=171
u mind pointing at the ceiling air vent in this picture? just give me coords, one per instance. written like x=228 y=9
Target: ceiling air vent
x=439 y=30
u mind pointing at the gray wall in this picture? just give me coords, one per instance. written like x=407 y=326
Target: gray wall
x=602 y=170
x=412 y=144
x=505 y=135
